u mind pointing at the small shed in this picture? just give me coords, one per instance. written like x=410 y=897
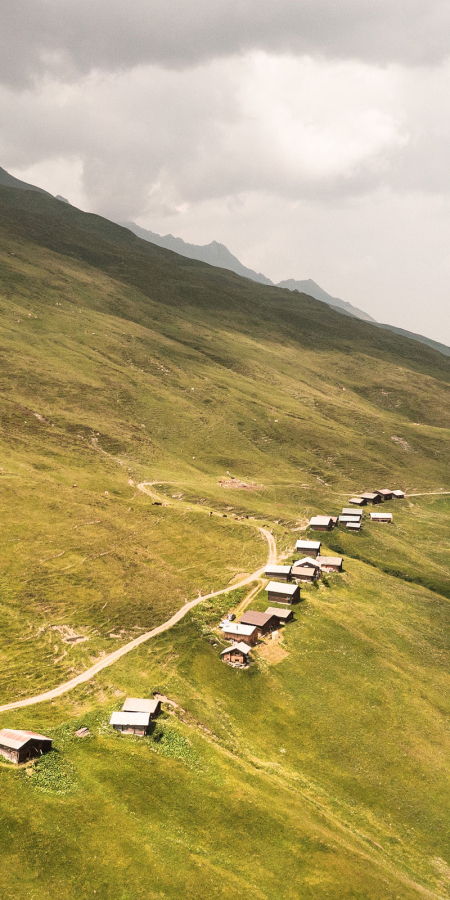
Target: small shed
x=20 y=746
x=283 y=615
x=330 y=563
x=236 y=656
x=398 y=495
x=357 y=501
x=282 y=593
x=385 y=494
x=348 y=511
x=381 y=517
x=321 y=523
x=131 y=722
x=353 y=526
x=305 y=574
x=281 y=572
x=371 y=497
x=344 y=519
x=235 y=631
x=138 y=704
x=309 y=548
x=263 y=621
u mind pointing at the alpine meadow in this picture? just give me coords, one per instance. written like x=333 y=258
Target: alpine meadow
x=166 y=428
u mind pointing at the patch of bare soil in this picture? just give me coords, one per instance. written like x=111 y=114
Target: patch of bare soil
x=272 y=649
x=401 y=441
x=240 y=485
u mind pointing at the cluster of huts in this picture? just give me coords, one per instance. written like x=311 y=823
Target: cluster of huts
x=283 y=588
x=351 y=517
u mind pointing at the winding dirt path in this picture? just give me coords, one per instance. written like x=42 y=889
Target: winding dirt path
x=160 y=629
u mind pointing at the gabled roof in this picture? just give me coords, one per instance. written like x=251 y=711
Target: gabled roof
x=279 y=613
x=306 y=561
x=305 y=570
x=243 y=648
x=277 y=570
x=348 y=511
x=237 y=628
x=381 y=515
x=355 y=526
x=254 y=617
x=384 y=491
x=136 y=719
x=356 y=499
x=369 y=495
x=15 y=739
x=398 y=493
x=276 y=587
x=350 y=518
x=307 y=545
x=136 y=704
x=320 y=520
x=330 y=560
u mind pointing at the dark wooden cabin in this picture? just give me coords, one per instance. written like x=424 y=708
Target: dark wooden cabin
x=20 y=746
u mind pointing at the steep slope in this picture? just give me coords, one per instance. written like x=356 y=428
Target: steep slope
x=308 y=286
x=321 y=772
x=7 y=180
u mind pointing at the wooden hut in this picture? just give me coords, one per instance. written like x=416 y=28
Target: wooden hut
x=264 y=622
x=309 y=548
x=348 y=511
x=321 y=523
x=381 y=517
x=282 y=593
x=20 y=746
x=385 y=494
x=304 y=573
x=138 y=704
x=131 y=722
x=357 y=501
x=398 y=495
x=353 y=526
x=236 y=656
x=282 y=615
x=371 y=497
x=330 y=563
x=344 y=519
x=283 y=573
x=240 y=633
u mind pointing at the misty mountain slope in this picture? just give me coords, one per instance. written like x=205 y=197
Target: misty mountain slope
x=7 y=180
x=124 y=362
x=308 y=286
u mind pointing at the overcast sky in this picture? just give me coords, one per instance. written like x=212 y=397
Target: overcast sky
x=312 y=137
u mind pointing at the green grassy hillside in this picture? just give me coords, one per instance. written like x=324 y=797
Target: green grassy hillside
x=320 y=772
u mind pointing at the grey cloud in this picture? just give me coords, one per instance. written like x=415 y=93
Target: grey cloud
x=73 y=37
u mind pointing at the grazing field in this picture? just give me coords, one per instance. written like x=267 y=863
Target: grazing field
x=322 y=770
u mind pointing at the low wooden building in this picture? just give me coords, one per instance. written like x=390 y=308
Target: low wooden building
x=19 y=746
x=131 y=722
x=237 y=656
x=385 y=494
x=321 y=523
x=240 y=633
x=305 y=574
x=344 y=519
x=398 y=495
x=283 y=573
x=139 y=704
x=264 y=622
x=348 y=511
x=381 y=517
x=282 y=593
x=283 y=615
x=309 y=548
x=330 y=563
x=353 y=526
x=357 y=501
x=371 y=497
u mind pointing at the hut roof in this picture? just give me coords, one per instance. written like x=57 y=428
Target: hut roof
x=381 y=515
x=138 y=719
x=277 y=570
x=398 y=493
x=356 y=499
x=242 y=648
x=305 y=570
x=254 y=617
x=237 y=628
x=384 y=491
x=369 y=495
x=15 y=739
x=320 y=520
x=307 y=545
x=280 y=613
x=306 y=561
x=276 y=587
x=349 y=511
x=330 y=560
x=137 y=704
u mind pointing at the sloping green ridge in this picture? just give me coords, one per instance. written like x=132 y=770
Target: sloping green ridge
x=320 y=775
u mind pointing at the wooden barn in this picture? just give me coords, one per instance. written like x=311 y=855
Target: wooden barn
x=283 y=573
x=305 y=574
x=385 y=494
x=131 y=722
x=282 y=593
x=354 y=526
x=237 y=656
x=321 y=523
x=309 y=548
x=371 y=497
x=263 y=621
x=348 y=511
x=282 y=615
x=138 y=704
x=330 y=563
x=344 y=519
x=357 y=501
x=20 y=746
x=381 y=517
x=398 y=495
x=240 y=633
